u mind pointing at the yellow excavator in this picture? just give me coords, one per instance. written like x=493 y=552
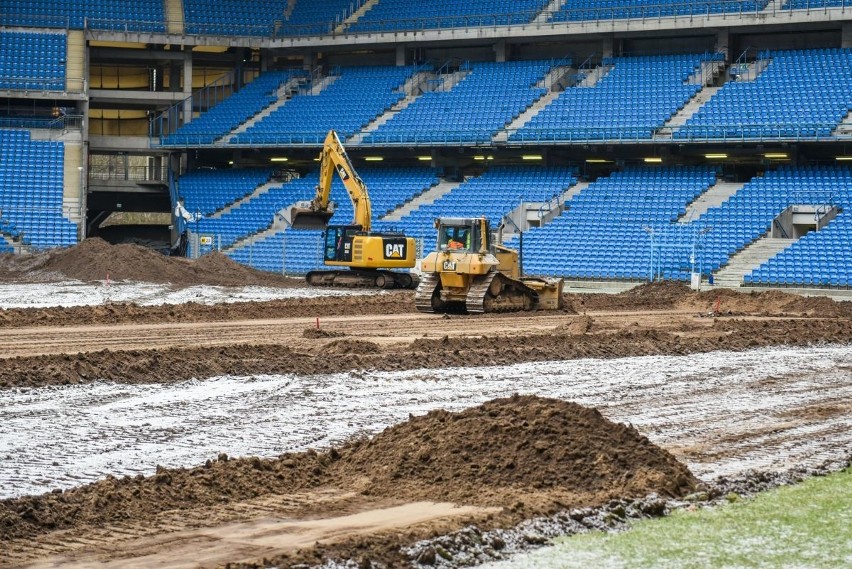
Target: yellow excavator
x=365 y=257
x=469 y=272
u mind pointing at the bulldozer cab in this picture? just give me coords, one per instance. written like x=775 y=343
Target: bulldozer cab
x=457 y=234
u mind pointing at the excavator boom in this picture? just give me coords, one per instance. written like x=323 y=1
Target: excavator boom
x=316 y=213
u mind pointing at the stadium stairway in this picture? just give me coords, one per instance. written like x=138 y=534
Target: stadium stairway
x=429 y=196
x=356 y=15
x=260 y=190
x=683 y=115
x=413 y=88
x=174 y=16
x=285 y=94
x=551 y=80
x=544 y=16
x=715 y=196
x=278 y=225
x=72 y=192
x=845 y=126
x=751 y=257
x=598 y=73
x=75 y=66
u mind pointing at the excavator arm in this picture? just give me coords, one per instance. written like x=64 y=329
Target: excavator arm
x=316 y=213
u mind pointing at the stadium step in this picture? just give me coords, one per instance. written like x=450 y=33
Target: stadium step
x=284 y=96
x=688 y=110
x=525 y=116
x=707 y=73
x=751 y=257
x=356 y=15
x=262 y=189
x=715 y=196
x=75 y=66
x=412 y=86
x=250 y=240
x=594 y=76
x=774 y=6
x=174 y=16
x=845 y=126
x=427 y=197
x=74 y=187
x=552 y=7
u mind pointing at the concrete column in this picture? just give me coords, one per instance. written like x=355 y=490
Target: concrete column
x=400 y=55
x=723 y=39
x=500 y=51
x=846 y=34
x=308 y=61
x=607 y=46
x=187 y=86
x=174 y=77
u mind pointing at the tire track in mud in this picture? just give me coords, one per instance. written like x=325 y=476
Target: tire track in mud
x=382 y=329
x=18 y=553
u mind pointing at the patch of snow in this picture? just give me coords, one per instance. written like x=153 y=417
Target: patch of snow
x=72 y=293
x=722 y=413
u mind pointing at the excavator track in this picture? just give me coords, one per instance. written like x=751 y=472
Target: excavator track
x=425 y=291
x=355 y=278
x=495 y=292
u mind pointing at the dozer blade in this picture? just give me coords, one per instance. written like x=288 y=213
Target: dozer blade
x=301 y=215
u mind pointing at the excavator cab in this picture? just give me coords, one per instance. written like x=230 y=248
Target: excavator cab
x=338 y=242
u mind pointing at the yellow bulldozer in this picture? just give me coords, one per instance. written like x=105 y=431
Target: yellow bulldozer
x=470 y=272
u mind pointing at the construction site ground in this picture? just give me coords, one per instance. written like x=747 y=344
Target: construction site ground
x=307 y=428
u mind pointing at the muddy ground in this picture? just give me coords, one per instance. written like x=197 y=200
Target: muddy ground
x=507 y=460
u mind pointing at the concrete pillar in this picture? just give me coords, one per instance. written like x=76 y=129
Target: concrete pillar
x=174 y=77
x=187 y=86
x=607 y=46
x=846 y=34
x=723 y=39
x=500 y=51
x=308 y=61
x=400 y=55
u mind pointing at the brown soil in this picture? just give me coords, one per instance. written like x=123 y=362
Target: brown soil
x=510 y=458
x=96 y=260
x=525 y=455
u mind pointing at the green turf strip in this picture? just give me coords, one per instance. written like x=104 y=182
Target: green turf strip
x=804 y=526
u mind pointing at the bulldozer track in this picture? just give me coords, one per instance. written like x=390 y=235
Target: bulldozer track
x=423 y=295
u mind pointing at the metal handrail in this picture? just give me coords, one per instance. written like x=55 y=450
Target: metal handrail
x=765 y=132
x=280 y=30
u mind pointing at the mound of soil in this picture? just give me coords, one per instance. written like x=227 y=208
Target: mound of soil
x=522 y=445
x=96 y=260
x=670 y=295
x=535 y=454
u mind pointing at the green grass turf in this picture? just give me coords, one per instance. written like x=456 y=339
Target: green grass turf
x=808 y=525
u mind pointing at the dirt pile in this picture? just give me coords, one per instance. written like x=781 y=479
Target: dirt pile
x=95 y=259
x=669 y=295
x=522 y=445
x=388 y=302
x=536 y=455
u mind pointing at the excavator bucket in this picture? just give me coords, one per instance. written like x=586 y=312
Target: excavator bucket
x=301 y=215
